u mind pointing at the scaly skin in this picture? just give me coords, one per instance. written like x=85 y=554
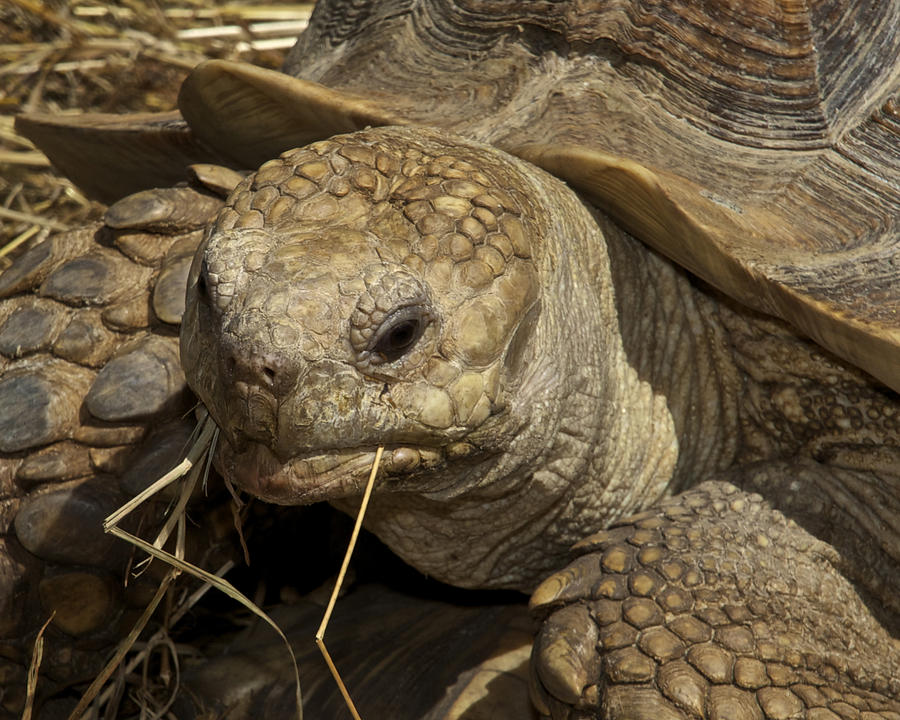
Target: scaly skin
x=92 y=409
x=548 y=377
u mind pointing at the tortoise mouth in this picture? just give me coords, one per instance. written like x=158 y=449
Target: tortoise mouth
x=318 y=476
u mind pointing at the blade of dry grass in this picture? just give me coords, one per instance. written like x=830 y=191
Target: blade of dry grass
x=33 y=219
x=34 y=668
x=245 y=11
x=32 y=158
x=16 y=241
x=123 y=648
x=204 y=439
x=179 y=613
x=166 y=642
x=204 y=443
x=221 y=585
x=320 y=633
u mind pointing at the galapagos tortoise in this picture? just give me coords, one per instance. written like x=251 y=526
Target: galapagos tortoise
x=710 y=415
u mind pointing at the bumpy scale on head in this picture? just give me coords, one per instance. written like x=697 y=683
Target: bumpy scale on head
x=363 y=290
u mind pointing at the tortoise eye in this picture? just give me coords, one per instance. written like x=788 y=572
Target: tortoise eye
x=399 y=333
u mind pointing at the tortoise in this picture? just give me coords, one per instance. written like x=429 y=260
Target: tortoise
x=661 y=397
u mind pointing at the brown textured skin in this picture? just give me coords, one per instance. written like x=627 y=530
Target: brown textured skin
x=765 y=586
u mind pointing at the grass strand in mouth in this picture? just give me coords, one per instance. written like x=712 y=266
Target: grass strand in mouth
x=320 y=633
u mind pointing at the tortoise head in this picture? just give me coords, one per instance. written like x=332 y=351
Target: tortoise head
x=365 y=290
x=406 y=288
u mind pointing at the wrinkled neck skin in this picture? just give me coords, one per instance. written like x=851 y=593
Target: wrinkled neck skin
x=594 y=430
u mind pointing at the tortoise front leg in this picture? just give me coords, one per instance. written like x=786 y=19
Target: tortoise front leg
x=712 y=605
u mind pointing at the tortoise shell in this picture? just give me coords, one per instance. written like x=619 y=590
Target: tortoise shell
x=757 y=146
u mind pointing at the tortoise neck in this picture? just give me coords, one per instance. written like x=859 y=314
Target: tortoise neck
x=673 y=338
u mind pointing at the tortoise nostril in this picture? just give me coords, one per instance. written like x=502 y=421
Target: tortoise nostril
x=264 y=370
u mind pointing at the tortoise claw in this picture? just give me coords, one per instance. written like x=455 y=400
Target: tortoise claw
x=573 y=582
x=564 y=658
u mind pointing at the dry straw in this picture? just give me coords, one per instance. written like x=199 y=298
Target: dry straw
x=193 y=466
x=92 y=56
x=320 y=633
x=36 y=656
